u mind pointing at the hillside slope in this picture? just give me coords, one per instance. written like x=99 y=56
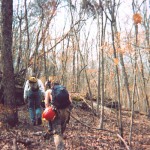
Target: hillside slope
x=79 y=134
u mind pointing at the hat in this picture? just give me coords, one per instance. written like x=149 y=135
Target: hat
x=32 y=79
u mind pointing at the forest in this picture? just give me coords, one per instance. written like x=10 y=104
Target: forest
x=99 y=50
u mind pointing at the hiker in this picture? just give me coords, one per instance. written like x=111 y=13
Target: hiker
x=33 y=93
x=47 y=87
x=48 y=83
x=58 y=125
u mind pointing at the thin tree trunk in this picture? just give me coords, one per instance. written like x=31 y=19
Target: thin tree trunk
x=73 y=68
x=144 y=84
x=113 y=29
x=45 y=65
x=20 y=42
x=28 y=37
x=37 y=45
x=134 y=85
x=99 y=64
x=86 y=76
x=125 y=80
x=102 y=69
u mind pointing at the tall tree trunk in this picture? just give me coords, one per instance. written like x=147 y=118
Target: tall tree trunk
x=113 y=29
x=20 y=43
x=118 y=82
x=144 y=84
x=35 y=68
x=103 y=29
x=54 y=61
x=43 y=50
x=147 y=32
x=8 y=70
x=27 y=54
x=64 y=62
x=73 y=68
x=134 y=87
x=101 y=39
x=99 y=63
x=125 y=80
x=83 y=62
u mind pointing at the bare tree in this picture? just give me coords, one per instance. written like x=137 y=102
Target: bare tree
x=113 y=6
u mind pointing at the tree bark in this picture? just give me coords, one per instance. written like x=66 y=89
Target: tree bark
x=7 y=61
x=113 y=31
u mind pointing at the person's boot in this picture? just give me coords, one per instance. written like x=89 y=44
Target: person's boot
x=39 y=121
x=50 y=127
x=47 y=135
x=58 y=140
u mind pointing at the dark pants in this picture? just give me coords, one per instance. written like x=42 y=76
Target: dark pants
x=59 y=125
x=34 y=99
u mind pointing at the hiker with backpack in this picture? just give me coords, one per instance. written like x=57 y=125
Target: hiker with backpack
x=48 y=83
x=33 y=93
x=58 y=99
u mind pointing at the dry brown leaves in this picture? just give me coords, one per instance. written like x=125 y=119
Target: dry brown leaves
x=78 y=136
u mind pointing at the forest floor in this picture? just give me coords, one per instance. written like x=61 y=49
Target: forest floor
x=79 y=135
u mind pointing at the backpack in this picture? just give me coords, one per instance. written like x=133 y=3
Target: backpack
x=60 y=97
x=34 y=86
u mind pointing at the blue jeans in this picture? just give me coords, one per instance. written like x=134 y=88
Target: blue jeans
x=34 y=99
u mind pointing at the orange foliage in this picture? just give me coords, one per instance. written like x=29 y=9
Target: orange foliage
x=116 y=61
x=137 y=18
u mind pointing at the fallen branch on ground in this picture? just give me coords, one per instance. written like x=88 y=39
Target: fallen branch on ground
x=127 y=147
